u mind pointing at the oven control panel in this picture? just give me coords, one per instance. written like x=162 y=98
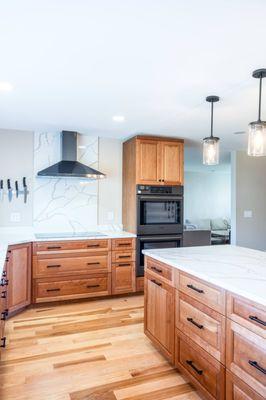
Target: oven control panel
x=160 y=190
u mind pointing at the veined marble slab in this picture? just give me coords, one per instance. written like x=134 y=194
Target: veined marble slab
x=237 y=269
x=12 y=236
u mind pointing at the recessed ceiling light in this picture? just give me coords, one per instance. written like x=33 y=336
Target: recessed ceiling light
x=118 y=118
x=5 y=86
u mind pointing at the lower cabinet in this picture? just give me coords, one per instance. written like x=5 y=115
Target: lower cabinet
x=201 y=368
x=3 y=307
x=19 y=277
x=123 y=278
x=159 y=314
x=236 y=389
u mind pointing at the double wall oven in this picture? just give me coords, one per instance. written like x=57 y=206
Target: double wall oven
x=159 y=219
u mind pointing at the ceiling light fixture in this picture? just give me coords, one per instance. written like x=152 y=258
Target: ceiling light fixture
x=257 y=129
x=211 y=143
x=5 y=86
x=118 y=118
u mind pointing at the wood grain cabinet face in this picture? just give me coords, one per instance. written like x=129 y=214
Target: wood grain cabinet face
x=239 y=390
x=159 y=314
x=172 y=163
x=246 y=356
x=19 y=277
x=202 y=324
x=148 y=161
x=161 y=270
x=203 y=370
x=123 y=278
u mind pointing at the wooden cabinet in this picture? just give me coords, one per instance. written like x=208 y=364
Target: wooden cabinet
x=236 y=389
x=159 y=161
x=3 y=307
x=159 y=314
x=149 y=160
x=19 y=277
x=123 y=266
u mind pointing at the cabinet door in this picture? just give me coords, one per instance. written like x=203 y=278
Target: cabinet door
x=19 y=276
x=147 y=161
x=123 y=277
x=171 y=163
x=159 y=314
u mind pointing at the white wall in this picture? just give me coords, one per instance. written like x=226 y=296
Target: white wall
x=207 y=195
x=249 y=194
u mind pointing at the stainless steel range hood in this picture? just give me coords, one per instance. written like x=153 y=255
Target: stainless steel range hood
x=69 y=166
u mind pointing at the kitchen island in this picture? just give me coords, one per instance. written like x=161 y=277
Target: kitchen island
x=205 y=310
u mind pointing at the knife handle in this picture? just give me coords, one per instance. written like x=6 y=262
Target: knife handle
x=16 y=186
x=24 y=182
x=1 y=184
x=8 y=184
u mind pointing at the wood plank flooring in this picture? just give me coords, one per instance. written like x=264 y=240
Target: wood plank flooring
x=91 y=350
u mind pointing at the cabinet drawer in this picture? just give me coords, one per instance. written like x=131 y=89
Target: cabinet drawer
x=236 y=389
x=53 y=267
x=202 y=369
x=123 y=256
x=246 y=313
x=72 y=288
x=125 y=243
x=246 y=356
x=203 y=325
x=159 y=269
x=60 y=246
x=123 y=278
x=205 y=293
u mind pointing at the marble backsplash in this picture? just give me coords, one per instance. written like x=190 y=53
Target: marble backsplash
x=64 y=204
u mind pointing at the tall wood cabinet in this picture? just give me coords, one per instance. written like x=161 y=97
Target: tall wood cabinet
x=149 y=160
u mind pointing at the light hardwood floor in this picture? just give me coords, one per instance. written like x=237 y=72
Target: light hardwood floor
x=92 y=350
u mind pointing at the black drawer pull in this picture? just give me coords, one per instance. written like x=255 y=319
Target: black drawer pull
x=157 y=270
x=194 y=288
x=257 y=366
x=93 y=263
x=53 y=247
x=53 y=290
x=256 y=319
x=4 y=282
x=93 y=245
x=123 y=265
x=124 y=256
x=3 y=295
x=124 y=244
x=199 y=371
x=156 y=283
x=195 y=323
x=3 y=340
x=92 y=286
x=54 y=266
x=4 y=273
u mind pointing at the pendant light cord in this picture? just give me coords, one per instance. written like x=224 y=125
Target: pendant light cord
x=260 y=91
x=212 y=119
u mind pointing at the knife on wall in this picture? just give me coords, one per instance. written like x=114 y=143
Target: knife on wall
x=16 y=187
x=1 y=190
x=25 y=189
x=9 y=190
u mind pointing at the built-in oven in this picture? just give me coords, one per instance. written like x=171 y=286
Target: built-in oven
x=159 y=210
x=154 y=242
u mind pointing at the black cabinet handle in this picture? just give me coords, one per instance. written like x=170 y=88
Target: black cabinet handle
x=53 y=290
x=3 y=295
x=93 y=263
x=93 y=245
x=4 y=273
x=92 y=286
x=54 y=266
x=124 y=256
x=53 y=247
x=156 y=283
x=194 y=288
x=124 y=244
x=4 y=315
x=257 y=366
x=123 y=265
x=4 y=282
x=195 y=323
x=3 y=340
x=157 y=270
x=256 y=319
x=190 y=363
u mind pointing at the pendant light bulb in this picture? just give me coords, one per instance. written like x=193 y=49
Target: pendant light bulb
x=257 y=129
x=211 y=144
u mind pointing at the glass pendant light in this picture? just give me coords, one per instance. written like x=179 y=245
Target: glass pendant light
x=257 y=129
x=211 y=143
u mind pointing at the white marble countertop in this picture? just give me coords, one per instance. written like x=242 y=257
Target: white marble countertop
x=10 y=237
x=237 y=269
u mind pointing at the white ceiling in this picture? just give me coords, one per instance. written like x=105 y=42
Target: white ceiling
x=74 y=64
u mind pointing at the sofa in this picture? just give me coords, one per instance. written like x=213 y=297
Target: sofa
x=220 y=228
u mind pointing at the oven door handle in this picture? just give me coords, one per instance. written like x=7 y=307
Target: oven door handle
x=159 y=238
x=161 y=198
